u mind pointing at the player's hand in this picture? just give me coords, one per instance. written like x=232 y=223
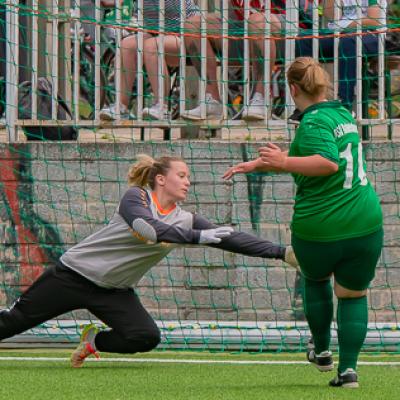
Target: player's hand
x=273 y=157
x=208 y=236
x=290 y=258
x=241 y=168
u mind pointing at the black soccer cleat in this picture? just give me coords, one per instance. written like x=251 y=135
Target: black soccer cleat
x=323 y=361
x=348 y=379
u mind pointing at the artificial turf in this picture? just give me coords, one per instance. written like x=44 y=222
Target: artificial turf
x=31 y=380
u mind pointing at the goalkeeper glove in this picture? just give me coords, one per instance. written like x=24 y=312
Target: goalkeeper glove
x=208 y=236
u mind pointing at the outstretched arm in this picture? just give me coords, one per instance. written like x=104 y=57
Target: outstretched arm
x=244 y=243
x=257 y=165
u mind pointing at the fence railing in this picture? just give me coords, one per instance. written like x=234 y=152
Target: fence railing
x=58 y=50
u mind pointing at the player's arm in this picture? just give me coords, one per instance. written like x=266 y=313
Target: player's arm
x=134 y=208
x=244 y=243
x=313 y=165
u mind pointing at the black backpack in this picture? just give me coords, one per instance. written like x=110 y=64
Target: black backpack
x=44 y=96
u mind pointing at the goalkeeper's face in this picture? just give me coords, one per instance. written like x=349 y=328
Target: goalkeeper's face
x=175 y=184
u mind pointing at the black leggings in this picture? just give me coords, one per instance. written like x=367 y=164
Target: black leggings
x=59 y=290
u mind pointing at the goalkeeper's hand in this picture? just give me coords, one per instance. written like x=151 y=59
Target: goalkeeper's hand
x=290 y=258
x=208 y=236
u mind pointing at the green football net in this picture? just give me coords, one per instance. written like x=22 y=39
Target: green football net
x=54 y=193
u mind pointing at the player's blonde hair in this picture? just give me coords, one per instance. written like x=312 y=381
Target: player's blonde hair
x=308 y=74
x=143 y=172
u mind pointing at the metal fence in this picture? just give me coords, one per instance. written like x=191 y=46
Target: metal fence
x=54 y=46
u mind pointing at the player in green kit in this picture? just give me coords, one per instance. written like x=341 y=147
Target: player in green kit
x=337 y=220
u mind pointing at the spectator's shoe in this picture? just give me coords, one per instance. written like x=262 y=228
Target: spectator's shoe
x=86 y=346
x=276 y=116
x=213 y=110
x=295 y=118
x=156 y=112
x=110 y=114
x=347 y=379
x=322 y=361
x=255 y=111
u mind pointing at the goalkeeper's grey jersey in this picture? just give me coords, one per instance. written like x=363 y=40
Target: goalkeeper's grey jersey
x=140 y=234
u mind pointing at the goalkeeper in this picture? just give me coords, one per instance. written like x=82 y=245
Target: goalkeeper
x=99 y=273
x=337 y=221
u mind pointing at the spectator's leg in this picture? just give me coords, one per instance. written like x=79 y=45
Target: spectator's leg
x=171 y=58
x=256 y=29
x=129 y=51
x=348 y=64
x=303 y=47
x=347 y=70
x=193 y=49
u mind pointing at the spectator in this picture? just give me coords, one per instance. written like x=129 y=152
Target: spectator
x=255 y=109
x=371 y=20
x=151 y=48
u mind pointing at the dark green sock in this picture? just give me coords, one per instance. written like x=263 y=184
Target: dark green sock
x=352 y=321
x=318 y=307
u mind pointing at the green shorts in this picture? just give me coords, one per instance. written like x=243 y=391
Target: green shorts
x=351 y=261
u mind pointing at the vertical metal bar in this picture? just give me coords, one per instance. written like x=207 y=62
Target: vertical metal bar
x=381 y=61
x=117 y=59
x=381 y=75
x=77 y=28
x=139 y=86
x=54 y=60
x=97 y=66
x=359 y=65
x=267 y=59
x=315 y=29
x=225 y=57
x=246 y=54
x=182 y=59
x=35 y=56
x=12 y=60
x=336 y=52
x=292 y=22
x=203 y=52
x=161 y=55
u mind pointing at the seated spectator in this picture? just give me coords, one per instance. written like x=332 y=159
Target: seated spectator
x=371 y=19
x=255 y=110
x=151 y=48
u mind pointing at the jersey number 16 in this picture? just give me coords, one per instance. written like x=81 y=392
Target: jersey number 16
x=349 y=171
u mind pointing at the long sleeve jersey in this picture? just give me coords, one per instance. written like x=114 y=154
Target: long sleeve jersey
x=139 y=235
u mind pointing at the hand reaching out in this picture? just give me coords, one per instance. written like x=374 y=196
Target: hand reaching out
x=241 y=168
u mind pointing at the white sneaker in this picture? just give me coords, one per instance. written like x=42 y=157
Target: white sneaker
x=109 y=113
x=255 y=111
x=156 y=112
x=213 y=110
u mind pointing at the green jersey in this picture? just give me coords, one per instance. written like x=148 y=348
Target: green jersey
x=338 y=206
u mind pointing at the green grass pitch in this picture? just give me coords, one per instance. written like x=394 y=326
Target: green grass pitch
x=152 y=380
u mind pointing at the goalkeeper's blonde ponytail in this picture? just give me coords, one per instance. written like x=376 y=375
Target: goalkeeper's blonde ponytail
x=143 y=172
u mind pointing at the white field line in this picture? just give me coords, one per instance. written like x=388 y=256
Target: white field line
x=190 y=361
